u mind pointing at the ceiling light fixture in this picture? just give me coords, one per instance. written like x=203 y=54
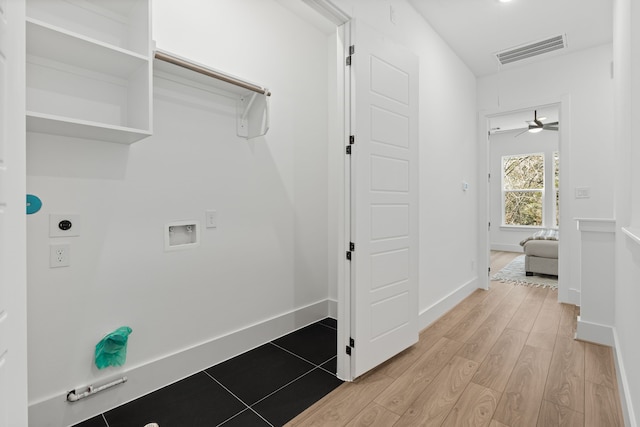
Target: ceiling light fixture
x=504 y=1
x=535 y=130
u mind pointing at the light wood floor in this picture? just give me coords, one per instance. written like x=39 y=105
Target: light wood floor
x=503 y=357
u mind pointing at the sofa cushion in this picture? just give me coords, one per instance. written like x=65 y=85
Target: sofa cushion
x=542 y=248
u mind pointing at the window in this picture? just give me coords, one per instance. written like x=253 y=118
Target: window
x=556 y=186
x=523 y=189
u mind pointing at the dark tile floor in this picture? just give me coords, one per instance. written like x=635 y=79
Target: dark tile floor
x=266 y=386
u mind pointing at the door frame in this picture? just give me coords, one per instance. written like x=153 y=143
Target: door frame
x=339 y=179
x=13 y=278
x=340 y=204
x=566 y=274
x=344 y=369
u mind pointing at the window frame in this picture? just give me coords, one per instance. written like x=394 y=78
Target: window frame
x=503 y=191
x=556 y=188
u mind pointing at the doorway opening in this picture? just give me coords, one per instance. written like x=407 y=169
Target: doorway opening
x=525 y=162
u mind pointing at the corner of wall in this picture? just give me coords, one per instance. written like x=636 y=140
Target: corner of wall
x=440 y=307
x=623 y=384
x=55 y=411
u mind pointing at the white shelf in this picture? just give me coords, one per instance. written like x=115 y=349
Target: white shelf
x=66 y=126
x=89 y=70
x=56 y=44
x=633 y=233
x=122 y=23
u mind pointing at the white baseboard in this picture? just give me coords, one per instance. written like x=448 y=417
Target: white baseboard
x=594 y=332
x=623 y=385
x=436 y=310
x=574 y=297
x=145 y=378
x=333 y=308
x=506 y=248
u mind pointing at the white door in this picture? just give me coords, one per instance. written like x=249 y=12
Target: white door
x=384 y=199
x=13 y=332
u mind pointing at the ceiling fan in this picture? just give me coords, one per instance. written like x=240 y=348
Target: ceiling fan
x=536 y=125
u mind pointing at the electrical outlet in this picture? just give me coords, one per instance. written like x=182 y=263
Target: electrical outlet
x=60 y=255
x=64 y=225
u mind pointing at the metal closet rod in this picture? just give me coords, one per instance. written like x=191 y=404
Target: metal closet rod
x=163 y=56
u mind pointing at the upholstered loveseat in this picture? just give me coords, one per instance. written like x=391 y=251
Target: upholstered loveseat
x=541 y=253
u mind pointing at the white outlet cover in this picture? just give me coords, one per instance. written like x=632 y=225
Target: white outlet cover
x=54 y=221
x=60 y=255
x=583 y=192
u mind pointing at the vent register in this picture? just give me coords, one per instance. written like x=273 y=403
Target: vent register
x=532 y=49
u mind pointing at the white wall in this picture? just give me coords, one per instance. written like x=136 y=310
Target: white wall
x=627 y=114
x=268 y=255
x=448 y=222
x=584 y=78
x=506 y=143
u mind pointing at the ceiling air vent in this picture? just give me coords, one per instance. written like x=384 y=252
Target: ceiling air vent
x=532 y=49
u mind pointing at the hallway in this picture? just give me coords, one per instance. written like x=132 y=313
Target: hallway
x=503 y=357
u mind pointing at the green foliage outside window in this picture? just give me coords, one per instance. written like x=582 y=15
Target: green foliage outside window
x=523 y=185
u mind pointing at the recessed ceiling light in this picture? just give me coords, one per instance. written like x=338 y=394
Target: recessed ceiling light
x=504 y=1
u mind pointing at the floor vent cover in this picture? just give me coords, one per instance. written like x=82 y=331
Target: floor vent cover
x=532 y=49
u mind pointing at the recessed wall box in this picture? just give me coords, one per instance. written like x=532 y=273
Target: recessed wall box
x=64 y=225
x=181 y=235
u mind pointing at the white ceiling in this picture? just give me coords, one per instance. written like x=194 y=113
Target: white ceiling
x=477 y=29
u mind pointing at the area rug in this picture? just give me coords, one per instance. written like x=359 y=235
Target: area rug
x=514 y=273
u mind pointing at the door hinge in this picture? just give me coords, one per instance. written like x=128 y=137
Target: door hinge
x=489 y=271
x=352 y=50
x=348 y=149
x=352 y=342
x=352 y=246
x=489 y=226
x=352 y=139
x=489 y=177
x=348 y=349
x=349 y=255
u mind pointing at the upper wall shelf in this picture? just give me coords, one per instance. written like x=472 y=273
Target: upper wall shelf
x=252 y=115
x=88 y=69
x=120 y=23
x=56 y=44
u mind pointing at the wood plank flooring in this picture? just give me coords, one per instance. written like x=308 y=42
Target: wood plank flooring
x=504 y=357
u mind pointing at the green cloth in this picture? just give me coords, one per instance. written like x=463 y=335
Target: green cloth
x=112 y=349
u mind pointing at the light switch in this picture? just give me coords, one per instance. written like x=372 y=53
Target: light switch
x=211 y=218
x=583 y=192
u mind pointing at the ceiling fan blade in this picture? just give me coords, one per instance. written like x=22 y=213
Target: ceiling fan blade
x=545 y=127
x=517 y=135
x=551 y=124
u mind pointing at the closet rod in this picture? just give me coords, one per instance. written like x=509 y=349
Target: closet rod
x=164 y=56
